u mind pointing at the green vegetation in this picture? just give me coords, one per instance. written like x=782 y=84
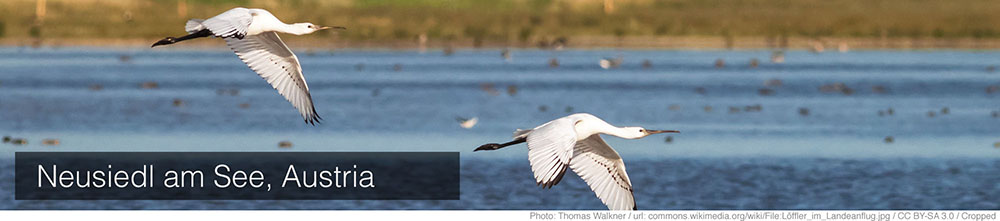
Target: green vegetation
x=526 y=21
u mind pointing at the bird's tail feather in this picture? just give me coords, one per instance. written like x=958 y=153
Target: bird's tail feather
x=194 y=25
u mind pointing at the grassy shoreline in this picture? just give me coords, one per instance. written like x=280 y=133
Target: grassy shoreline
x=597 y=42
x=966 y=24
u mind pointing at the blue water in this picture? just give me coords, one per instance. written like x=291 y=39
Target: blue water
x=775 y=158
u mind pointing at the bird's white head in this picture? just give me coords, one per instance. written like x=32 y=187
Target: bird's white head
x=639 y=132
x=308 y=28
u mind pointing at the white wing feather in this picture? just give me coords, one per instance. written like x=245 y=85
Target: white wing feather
x=550 y=148
x=604 y=171
x=267 y=55
x=194 y=25
x=230 y=24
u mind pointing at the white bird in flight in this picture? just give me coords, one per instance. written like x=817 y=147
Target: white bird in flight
x=253 y=35
x=467 y=122
x=573 y=141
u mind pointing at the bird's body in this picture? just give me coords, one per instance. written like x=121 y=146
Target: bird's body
x=252 y=34
x=574 y=142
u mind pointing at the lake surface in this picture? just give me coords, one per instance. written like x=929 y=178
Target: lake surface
x=745 y=141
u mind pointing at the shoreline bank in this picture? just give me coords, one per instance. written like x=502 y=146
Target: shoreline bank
x=587 y=42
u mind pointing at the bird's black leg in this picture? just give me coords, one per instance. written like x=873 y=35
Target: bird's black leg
x=495 y=146
x=171 y=40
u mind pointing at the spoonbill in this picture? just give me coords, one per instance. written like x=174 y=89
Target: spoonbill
x=574 y=142
x=253 y=35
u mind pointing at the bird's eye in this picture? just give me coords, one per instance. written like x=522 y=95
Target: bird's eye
x=310 y=26
x=642 y=131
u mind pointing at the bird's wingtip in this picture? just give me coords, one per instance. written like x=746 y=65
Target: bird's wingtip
x=313 y=120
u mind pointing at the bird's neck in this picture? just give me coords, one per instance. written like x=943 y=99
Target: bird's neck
x=619 y=132
x=289 y=28
x=587 y=128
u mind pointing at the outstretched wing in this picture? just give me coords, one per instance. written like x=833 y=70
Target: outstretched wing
x=267 y=55
x=230 y=24
x=550 y=148
x=603 y=170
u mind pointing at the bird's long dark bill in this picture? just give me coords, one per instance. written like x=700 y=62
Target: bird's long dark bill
x=333 y=27
x=496 y=146
x=661 y=131
x=171 y=40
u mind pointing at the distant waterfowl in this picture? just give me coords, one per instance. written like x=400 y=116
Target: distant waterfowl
x=995 y=114
x=359 y=67
x=285 y=144
x=467 y=122
x=674 y=107
x=253 y=35
x=149 y=85
x=511 y=90
x=707 y=108
x=879 y=89
x=836 y=87
x=422 y=43
x=889 y=139
x=733 y=110
x=568 y=109
x=244 y=105
x=124 y=58
x=376 y=92
x=574 y=142
x=449 y=50
x=18 y=141
x=816 y=47
x=669 y=139
x=647 y=64
x=991 y=68
x=778 y=57
x=556 y=45
x=753 y=108
x=803 y=111
x=178 y=102
x=719 y=63
x=543 y=108
x=95 y=87
x=6 y=139
x=754 y=63
x=397 y=67
x=773 y=82
x=843 y=48
x=505 y=53
x=50 y=142
x=553 y=62
x=559 y=43
x=765 y=91
x=996 y=144
x=930 y=114
x=992 y=89
x=945 y=110
x=489 y=89
x=700 y=90
x=608 y=63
